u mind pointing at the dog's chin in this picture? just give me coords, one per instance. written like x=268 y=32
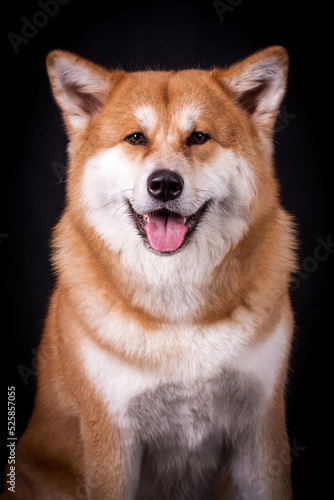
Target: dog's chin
x=165 y=254
x=164 y=232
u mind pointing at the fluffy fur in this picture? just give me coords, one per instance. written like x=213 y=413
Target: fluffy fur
x=166 y=370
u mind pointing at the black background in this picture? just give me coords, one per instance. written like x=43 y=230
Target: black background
x=166 y=35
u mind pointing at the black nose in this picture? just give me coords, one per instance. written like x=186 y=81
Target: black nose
x=165 y=185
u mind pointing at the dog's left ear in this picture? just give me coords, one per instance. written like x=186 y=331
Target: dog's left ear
x=258 y=84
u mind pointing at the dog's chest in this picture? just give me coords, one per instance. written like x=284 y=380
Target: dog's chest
x=182 y=422
x=185 y=433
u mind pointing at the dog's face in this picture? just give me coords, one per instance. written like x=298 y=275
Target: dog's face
x=170 y=162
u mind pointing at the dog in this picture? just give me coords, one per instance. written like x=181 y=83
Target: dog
x=164 y=358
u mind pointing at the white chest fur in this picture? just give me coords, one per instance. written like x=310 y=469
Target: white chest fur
x=183 y=414
x=183 y=356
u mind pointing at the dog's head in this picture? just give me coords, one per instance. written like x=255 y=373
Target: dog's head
x=169 y=162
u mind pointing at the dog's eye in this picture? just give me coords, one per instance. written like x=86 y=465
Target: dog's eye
x=136 y=138
x=198 y=138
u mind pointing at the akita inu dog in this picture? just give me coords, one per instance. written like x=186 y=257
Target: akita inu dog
x=168 y=333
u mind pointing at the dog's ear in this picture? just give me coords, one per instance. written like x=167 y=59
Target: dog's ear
x=258 y=84
x=80 y=87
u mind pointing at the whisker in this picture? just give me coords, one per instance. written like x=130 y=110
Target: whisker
x=225 y=200
x=126 y=212
x=90 y=165
x=120 y=206
x=113 y=200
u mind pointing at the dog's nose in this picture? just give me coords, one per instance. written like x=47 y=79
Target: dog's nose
x=165 y=185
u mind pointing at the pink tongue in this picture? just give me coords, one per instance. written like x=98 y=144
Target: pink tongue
x=165 y=233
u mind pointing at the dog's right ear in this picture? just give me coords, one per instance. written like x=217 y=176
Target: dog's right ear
x=80 y=87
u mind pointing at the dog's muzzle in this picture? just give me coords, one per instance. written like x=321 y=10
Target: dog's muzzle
x=165 y=231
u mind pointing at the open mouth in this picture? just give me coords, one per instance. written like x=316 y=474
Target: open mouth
x=165 y=231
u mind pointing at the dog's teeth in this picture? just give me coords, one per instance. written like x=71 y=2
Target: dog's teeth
x=184 y=220
x=146 y=217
